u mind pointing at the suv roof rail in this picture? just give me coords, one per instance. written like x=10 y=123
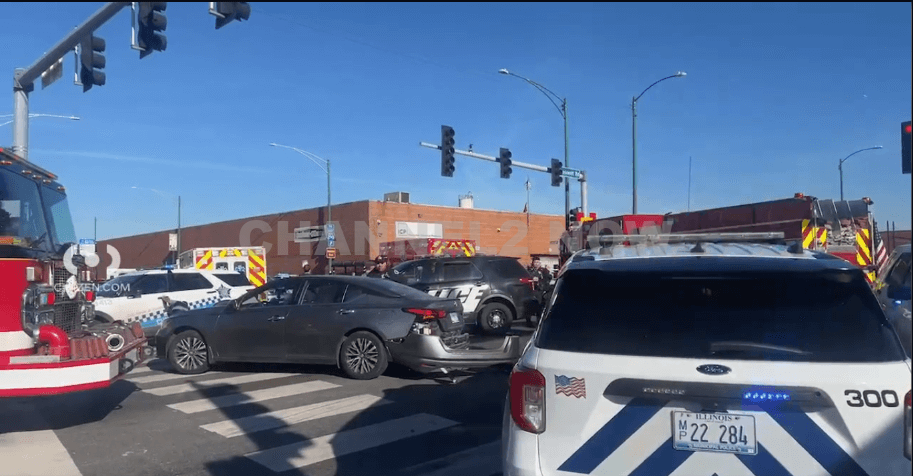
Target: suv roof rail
x=698 y=238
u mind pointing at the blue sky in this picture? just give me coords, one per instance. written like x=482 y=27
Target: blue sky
x=775 y=96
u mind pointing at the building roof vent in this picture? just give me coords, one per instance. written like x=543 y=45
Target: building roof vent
x=466 y=200
x=398 y=197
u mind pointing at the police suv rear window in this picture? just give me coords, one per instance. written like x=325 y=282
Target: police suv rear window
x=508 y=268
x=233 y=279
x=826 y=316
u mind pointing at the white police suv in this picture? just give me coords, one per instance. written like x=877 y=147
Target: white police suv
x=141 y=295
x=704 y=355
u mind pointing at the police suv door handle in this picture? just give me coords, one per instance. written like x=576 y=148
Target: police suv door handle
x=346 y=311
x=276 y=318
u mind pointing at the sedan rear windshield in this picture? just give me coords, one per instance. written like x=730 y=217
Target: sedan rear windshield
x=825 y=316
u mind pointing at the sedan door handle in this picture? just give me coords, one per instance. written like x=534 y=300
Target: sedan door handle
x=346 y=311
x=276 y=318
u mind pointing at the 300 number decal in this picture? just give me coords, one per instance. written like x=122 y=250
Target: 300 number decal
x=872 y=398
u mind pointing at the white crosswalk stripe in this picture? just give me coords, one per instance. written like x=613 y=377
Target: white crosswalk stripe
x=162 y=377
x=315 y=450
x=235 y=399
x=291 y=416
x=194 y=386
x=484 y=460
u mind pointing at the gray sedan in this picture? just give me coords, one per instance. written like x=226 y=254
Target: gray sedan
x=357 y=323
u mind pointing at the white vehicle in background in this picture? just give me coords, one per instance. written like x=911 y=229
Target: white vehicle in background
x=710 y=355
x=142 y=296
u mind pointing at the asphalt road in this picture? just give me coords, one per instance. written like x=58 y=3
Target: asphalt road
x=255 y=420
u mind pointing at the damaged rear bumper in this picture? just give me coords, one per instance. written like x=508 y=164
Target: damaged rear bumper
x=425 y=353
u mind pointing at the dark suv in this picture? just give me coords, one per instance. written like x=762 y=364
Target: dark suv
x=495 y=290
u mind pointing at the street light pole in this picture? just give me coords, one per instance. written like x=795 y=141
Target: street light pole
x=562 y=109
x=678 y=74
x=840 y=166
x=326 y=168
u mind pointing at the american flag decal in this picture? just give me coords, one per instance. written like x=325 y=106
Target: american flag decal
x=570 y=386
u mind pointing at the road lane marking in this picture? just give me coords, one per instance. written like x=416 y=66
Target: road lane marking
x=315 y=450
x=193 y=386
x=291 y=416
x=35 y=453
x=202 y=405
x=481 y=460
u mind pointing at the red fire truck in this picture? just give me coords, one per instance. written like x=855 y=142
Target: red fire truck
x=842 y=228
x=405 y=250
x=46 y=344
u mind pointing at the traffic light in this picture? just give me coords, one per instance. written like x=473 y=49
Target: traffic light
x=447 y=151
x=151 y=21
x=92 y=59
x=905 y=146
x=555 y=169
x=504 y=160
x=227 y=12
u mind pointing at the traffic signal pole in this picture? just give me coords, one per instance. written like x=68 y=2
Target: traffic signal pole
x=24 y=78
x=581 y=175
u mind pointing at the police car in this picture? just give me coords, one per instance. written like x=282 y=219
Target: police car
x=143 y=295
x=709 y=355
x=494 y=290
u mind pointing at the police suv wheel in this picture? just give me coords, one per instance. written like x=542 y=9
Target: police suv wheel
x=188 y=354
x=495 y=317
x=363 y=356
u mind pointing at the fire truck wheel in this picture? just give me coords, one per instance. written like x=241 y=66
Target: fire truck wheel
x=495 y=317
x=188 y=353
x=363 y=356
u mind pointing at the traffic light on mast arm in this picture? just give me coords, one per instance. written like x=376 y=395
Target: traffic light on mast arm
x=504 y=160
x=152 y=20
x=906 y=146
x=92 y=59
x=227 y=12
x=447 y=151
x=555 y=169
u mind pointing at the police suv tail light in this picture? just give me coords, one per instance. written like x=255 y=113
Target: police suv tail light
x=527 y=399
x=529 y=282
x=907 y=427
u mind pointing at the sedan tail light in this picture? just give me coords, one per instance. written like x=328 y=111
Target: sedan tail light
x=907 y=427
x=427 y=314
x=527 y=399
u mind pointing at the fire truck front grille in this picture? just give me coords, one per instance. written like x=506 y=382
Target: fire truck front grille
x=66 y=316
x=60 y=281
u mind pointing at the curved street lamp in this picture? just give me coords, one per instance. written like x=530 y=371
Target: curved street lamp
x=324 y=165
x=562 y=109
x=73 y=118
x=678 y=74
x=840 y=166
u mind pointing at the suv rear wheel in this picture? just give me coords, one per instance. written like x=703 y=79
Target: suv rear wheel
x=495 y=317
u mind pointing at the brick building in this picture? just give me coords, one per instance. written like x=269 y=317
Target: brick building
x=360 y=228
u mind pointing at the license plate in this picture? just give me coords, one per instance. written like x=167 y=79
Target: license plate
x=454 y=318
x=719 y=432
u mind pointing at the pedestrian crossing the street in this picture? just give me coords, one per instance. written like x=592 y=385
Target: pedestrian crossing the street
x=304 y=410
